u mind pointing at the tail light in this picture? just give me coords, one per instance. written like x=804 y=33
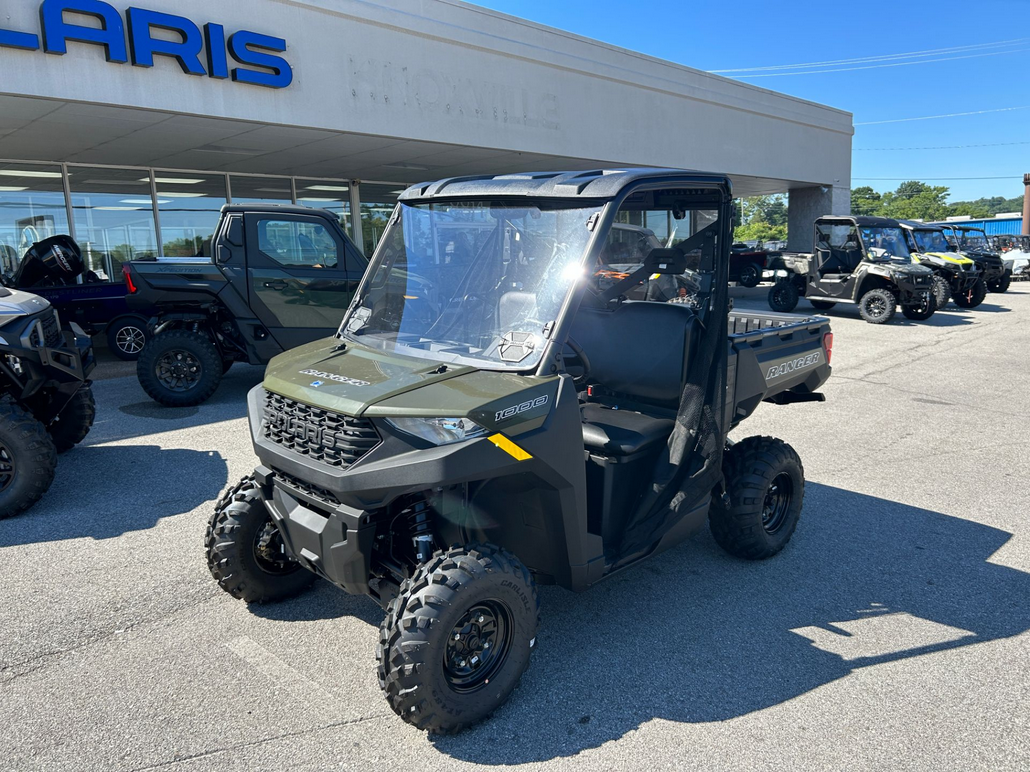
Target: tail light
x=128 y=279
x=828 y=345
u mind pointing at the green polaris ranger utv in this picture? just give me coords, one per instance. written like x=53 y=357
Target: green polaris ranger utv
x=514 y=423
x=956 y=277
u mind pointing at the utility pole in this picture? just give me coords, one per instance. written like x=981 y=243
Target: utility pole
x=1026 y=204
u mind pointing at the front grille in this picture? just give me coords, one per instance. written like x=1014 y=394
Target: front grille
x=314 y=491
x=46 y=331
x=333 y=439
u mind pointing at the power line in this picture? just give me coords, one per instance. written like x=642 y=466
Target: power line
x=945 y=147
x=936 y=179
x=946 y=115
x=879 y=66
x=881 y=58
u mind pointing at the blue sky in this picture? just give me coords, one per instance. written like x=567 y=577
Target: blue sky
x=761 y=33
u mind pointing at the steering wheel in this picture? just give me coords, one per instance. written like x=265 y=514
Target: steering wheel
x=584 y=361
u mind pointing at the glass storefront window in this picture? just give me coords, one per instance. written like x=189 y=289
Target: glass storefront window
x=260 y=190
x=114 y=217
x=189 y=205
x=377 y=204
x=32 y=208
x=331 y=195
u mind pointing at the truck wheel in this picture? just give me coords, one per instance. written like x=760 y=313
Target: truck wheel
x=878 y=306
x=971 y=298
x=179 y=368
x=74 y=421
x=457 y=638
x=750 y=275
x=942 y=291
x=765 y=483
x=27 y=459
x=126 y=338
x=822 y=305
x=1002 y=284
x=245 y=549
x=783 y=297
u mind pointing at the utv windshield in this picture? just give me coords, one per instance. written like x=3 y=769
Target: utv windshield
x=478 y=283
x=931 y=241
x=974 y=242
x=885 y=243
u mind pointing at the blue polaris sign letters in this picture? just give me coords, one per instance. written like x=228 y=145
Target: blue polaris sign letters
x=246 y=48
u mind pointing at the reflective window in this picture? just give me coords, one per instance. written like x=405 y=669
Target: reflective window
x=260 y=190
x=189 y=205
x=296 y=244
x=331 y=195
x=377 y=203
x=31 y=209
x=114 y=217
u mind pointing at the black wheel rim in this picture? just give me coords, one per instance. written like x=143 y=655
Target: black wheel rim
x=777 y=502
x=130 y=340
x=269 y=553
x=478 y=646
x=7 y=468
x=781 y=297
x=876 y=306
x=179 y=370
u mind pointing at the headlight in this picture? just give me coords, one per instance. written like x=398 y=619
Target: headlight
x=439 y=431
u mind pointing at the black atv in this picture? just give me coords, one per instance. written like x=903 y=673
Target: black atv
x=974 y=244
x=535 y=428
x=955 y=275
x=860 y=260
x=46 y=404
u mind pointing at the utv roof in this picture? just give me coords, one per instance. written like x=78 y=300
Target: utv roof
x=594 y=184
x=912 y=225
x=861 y=221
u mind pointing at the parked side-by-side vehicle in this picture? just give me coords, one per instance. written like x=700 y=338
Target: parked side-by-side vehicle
x=956 y=276
x=974 y=244
x=475 y=429
x=861 y=260
x=278 y=277
x=46 y=404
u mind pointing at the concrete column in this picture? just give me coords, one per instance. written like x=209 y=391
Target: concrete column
x=804 y=205
x=357 y=235
x=1026 y=204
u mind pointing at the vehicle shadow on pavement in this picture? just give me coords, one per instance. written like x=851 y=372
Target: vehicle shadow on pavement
x=696 y=636
x=104 y=492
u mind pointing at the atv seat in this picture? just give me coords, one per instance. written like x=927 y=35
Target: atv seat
x=614 y=432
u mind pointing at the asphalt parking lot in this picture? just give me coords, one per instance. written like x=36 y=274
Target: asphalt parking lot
x=891 y=633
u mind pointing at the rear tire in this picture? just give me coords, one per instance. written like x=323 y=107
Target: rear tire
x=126 y=338
x=971 y=298
x=74 y=421
x=443 y=683
x=28 y=459
x=878 y=306
x=179 y=368
x=822 y=305
x=765 y=484
x=244 y=549
x=942 y=291
x=750 y=276
x=1002 y=284
x=783 y=297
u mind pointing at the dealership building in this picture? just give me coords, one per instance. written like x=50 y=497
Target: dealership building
x=129 y=127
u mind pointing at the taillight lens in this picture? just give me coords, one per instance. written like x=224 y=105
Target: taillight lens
x=128 y=280
x=828 y=345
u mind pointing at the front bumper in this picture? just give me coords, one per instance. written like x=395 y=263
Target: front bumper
x=914 y=291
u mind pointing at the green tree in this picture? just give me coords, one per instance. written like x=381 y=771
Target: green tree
x=761 y=218
x=916 y=201
x=865 y=201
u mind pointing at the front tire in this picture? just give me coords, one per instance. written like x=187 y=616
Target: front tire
x=28 y=459
x=923 y=311
x=74 y=421
x=971 y=298
x=765 y=484
x=1002 y=284
x=942 y=291
x=245 y=550
x=457 y=638
x=878 y=306
x=126 y=338
x=750 y=276
x=783 y=297
x=179 y=368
